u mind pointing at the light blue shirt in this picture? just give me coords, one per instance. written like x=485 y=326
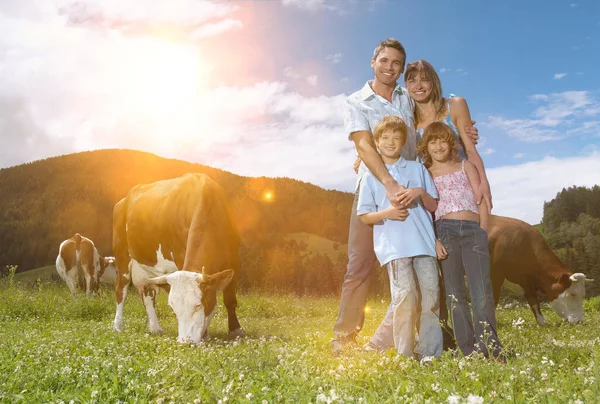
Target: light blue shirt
x=395 y=239
x=363 y=109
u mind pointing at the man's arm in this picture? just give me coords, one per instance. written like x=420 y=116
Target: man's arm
x=367 y=151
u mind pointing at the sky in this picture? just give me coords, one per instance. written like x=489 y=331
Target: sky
x=256 y=87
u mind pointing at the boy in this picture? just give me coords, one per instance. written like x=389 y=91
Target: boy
x=406 y=247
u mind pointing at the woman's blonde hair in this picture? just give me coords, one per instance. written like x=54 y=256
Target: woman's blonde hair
x=435 y=131
x=422 y=68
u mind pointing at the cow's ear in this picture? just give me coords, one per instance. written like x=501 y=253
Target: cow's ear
x=563 y=283
x=221 y=279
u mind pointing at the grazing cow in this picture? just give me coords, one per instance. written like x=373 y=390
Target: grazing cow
x=79 y=264
x=519 y=254
x=164 y=235
x=108 y=270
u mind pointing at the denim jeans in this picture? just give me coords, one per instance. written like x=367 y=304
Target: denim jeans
x=415 y=303
x=361 y=258
x=467 y=245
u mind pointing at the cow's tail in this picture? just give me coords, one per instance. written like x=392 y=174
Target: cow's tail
x=80 y=274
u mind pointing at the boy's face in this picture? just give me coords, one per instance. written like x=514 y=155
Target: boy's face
x=390 y=144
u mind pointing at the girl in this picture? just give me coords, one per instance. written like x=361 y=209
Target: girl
x=462 y=241
x=424 y=87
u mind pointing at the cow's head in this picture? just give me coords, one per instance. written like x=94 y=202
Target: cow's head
x=569 y=304
x=193 y=298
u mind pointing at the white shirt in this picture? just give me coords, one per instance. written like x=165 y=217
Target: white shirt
x=363 y=109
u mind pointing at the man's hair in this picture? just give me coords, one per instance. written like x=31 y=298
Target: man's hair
x=390 y=123
x=422 y=68
x=437 y=130
x=389 y=43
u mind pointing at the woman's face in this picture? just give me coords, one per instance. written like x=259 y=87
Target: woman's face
x=419 y=88
x=439 y=150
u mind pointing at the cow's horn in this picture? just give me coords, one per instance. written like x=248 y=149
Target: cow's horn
x=577 y=277
x=589 y=280
x=159 y=280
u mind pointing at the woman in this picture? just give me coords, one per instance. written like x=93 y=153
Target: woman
x=424 y=87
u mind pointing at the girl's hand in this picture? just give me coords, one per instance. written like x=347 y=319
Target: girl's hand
x=357 y=164
x=408 y=196
x=440 y=250
x=393 y=213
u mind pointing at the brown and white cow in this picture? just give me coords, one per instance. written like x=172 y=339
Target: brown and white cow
x=519 y=254
x=79 y=264
x=164 y=234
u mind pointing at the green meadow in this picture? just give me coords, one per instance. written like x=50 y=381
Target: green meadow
x=59 y=348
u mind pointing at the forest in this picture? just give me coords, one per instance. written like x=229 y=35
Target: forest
x=47 y=201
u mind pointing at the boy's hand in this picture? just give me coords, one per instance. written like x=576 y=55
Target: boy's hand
x=408 y=196
x=393 y=213
x=440 y=250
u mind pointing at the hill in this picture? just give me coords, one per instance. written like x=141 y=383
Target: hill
x=47 y=201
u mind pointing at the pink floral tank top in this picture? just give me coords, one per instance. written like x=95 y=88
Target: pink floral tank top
x=455 y=193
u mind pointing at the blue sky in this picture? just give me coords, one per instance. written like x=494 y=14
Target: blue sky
x=256 y=87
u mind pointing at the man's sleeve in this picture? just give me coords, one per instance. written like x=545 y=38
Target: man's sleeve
x=366 y=196
x=354 y=118
x=429 y=184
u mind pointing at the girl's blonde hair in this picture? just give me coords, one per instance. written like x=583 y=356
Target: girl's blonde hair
x=422 y=68
x=435 y=131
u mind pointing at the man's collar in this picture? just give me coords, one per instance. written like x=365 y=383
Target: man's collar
x=367 y=91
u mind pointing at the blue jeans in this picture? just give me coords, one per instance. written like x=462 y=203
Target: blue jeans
x=467 y=245
x=361 y=258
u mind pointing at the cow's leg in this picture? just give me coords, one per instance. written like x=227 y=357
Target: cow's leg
x=497 y=280
x=71 y=279
x=535 y=305
x=230 y=301
x=149 y=297
x=121 y=288
x=88 y=279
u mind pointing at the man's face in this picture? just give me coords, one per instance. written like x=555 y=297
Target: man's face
x=388 y=66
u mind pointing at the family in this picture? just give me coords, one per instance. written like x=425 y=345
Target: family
x=422 y=195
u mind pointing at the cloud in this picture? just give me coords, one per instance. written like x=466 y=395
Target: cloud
x=574 y=5
x=519 y=155
x=489 y=151
x=312 y=5
x=312 y=80
x=334 y=58
x=291 y=73
x=520 y=190
x=557 y=116
x=558 y=76
x=444 y=70
x=215 y=29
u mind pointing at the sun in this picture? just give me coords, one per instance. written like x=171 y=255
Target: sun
x=159 y=77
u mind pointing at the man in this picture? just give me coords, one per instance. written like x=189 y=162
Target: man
x=362 y=110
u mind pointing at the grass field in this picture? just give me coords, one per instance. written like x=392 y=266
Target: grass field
x=58 y=348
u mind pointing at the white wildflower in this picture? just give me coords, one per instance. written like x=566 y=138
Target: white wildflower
x=473 y=399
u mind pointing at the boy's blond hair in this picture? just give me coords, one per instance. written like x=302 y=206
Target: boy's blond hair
x=391 y=123
x=437 y=130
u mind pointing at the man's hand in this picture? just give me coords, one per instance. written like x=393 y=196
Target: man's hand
x=440 y=250
x=392 y=192
x=409 y=195
x=357 y=164
x=393 y=213
x=472 y=132
x=484 y=192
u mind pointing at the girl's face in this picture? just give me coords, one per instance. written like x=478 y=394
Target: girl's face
x=439 y=150
x=419 y=88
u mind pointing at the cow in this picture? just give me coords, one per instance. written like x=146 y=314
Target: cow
x=520 y=255
x=79 y=264
x=108 y=270
x=177 y=235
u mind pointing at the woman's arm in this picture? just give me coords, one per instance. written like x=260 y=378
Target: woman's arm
x=461 y=117
x=474 y=181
